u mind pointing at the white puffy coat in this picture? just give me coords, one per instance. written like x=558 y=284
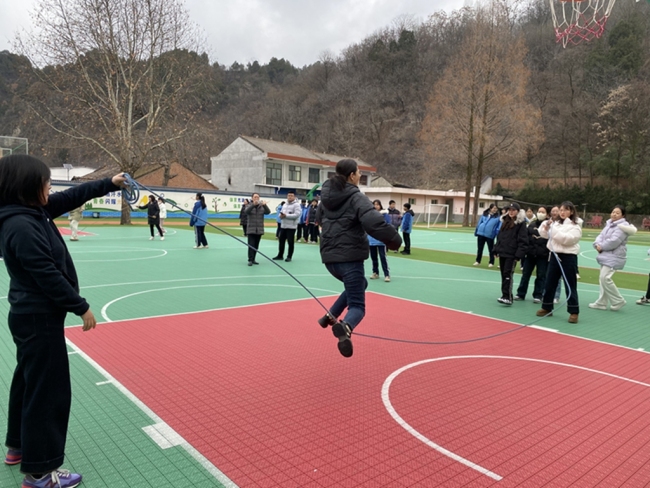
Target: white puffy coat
x=563 y=237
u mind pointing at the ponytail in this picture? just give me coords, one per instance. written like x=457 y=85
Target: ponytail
x=203 y=205
x=344 y=168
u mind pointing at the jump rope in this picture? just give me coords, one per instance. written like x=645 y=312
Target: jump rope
x=131 y=194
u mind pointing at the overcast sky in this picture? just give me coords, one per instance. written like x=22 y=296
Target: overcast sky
x=249 y=30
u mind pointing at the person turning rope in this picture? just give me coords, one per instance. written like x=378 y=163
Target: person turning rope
x=346 y=215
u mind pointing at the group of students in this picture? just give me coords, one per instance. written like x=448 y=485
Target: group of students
x=551 y=245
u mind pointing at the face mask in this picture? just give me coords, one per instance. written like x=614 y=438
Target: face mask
x=541 y=216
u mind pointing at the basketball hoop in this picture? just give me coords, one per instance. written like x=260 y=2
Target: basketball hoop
x=580 y=20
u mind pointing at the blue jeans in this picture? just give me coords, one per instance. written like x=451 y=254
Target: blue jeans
x=554 y=274
x=354 y=296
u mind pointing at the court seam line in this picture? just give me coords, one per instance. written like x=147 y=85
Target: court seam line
x=523 y=326
x=194 y=453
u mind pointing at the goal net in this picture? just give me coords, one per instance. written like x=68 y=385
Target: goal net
x=434 y=213
x=13 y=145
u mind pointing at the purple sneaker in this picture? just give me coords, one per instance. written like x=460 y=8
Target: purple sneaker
x=14 y=456
x=59 y=478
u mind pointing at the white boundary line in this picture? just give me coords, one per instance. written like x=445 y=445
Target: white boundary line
x=202 y=460
x=385 y=397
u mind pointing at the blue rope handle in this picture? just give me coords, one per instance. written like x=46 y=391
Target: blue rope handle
x=131 y=190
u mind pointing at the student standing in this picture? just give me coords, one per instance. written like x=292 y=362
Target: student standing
x=198 y=220
x=75 y=216
x=347 y=215
x=407 y=228
x=511 y=245
x=43 y=288
x=378 y=248
x=289 y=215
x=395 y=216
x=536 y=257
x=243 y=218
x=312 y=224
x=255 y=230
x=302 y=222
x=611 y=245
x=153 y=217
x=486 y=231
x=163 y=213
x=564 y=244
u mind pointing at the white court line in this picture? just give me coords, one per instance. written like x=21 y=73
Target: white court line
x=108 y=382
x=200 y=458
x=385 y=396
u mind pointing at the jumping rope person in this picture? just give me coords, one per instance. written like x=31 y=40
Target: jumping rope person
x=43 y=288
x=564 y=243
x=346 y=215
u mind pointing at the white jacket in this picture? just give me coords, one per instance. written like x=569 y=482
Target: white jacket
x=163 y=210
x=563 y=237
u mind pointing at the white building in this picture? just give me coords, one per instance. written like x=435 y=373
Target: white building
x=251 y=164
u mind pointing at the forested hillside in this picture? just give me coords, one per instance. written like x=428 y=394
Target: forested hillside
x=586 y=108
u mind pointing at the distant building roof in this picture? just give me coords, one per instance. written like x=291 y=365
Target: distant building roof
x=292 y=152
x=153 y=175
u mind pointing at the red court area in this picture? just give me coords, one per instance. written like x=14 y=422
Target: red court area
x=264 y=395
x=65 y=231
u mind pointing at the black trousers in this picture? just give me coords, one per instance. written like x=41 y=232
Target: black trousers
x=481 y=241
x=288 y=236
x=302 y=232
x=568 y=263
x=200 y=235
x=407 y=241
x=313 y=232
x=157 y=226
x=254 y=242
x=40 y=395
x=507 y=267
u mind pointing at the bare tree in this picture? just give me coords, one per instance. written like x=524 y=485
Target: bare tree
x=119 y=70
x=478 y=114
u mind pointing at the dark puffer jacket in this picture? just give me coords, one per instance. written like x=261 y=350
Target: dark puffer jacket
x=346 y=216
x=536 y=243
x=512 y=242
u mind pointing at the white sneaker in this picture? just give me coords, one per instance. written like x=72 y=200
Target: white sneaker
x=197 y=247
x=374 y=276
x=490 y=265
x=387 y=279
x=205 y=247
x=151 y=238
x=162 y=238
x=476 y=264
x=555 y=300
x=537 y=300
x=598 y=306
x=618 y=306
x=643 y=300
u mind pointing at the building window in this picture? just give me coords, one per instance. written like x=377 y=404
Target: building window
x=434 y=201
x=314 y=175
x=294 y=173
x=364 y=180
x=274 y=174
x=481 y=204
x=412 y=201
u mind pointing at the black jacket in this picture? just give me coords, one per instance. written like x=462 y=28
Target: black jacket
x=153 y=213
x=512 y=242
x=346 y=215
x=536 y=243
x=255 y=223
x=42 y=275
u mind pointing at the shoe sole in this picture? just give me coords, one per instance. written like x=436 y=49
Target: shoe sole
x=324 y=322
x=13 y=463
x=345 y=347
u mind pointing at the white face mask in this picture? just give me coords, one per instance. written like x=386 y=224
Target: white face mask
x=541 y=216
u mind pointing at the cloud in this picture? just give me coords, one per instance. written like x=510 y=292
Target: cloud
x=256 y=30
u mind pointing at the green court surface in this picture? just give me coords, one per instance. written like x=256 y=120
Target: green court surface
x=126 y=276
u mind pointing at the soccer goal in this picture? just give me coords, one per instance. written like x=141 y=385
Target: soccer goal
x=434 y=213
x=13 y=145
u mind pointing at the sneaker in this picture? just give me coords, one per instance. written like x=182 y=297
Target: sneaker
x=59 y=478
x=288 y=260
x=598 y=306
x=556 y=300
x=643 y=300
x=406 y=253
x=573 y=318
x=151 y=238
x=476 y=264
x=195 y=247
x=490 y=265
x=343 y=332
x=13 y=456
x=162 y=238
x=618 y=306
x=206 y=247
x=387 y=279
x=577 y=276
x=74 y=238
x=250 y=263
x=326 y=320
x=537 y=300
x=505 y=301
x=543 y=313
x=518 y=298
x=255 y=262
x=278 y=258
x=374 y=276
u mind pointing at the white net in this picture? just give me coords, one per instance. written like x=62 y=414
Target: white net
x=580 y=20
x=435 y=213
x=13 y=145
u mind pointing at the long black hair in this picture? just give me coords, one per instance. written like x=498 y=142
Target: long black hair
x=22 y=179
x=571 y=208
x=202 y=198
x=344 y=168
